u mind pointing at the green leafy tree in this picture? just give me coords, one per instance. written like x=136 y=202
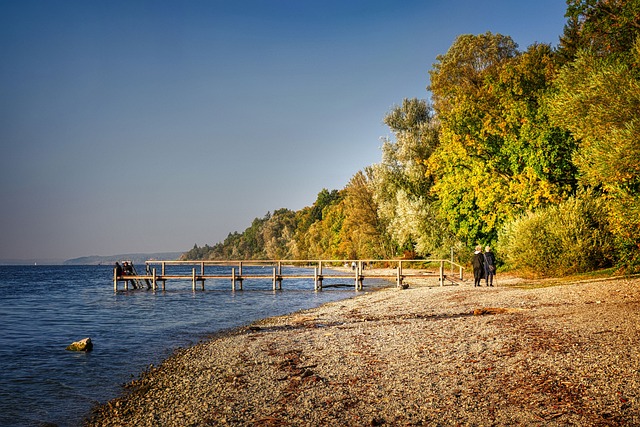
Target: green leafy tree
x=499 y=155
x=462 y=97
x=598 y=100
x=603 y=27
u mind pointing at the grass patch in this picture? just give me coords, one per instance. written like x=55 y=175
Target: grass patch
x=547 y=282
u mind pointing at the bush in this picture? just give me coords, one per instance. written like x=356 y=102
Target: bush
x=572 y=237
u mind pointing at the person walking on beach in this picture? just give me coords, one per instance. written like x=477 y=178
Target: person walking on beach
x=478 y=266
x=489 y=266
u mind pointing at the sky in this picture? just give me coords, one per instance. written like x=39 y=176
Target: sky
x=150 y=126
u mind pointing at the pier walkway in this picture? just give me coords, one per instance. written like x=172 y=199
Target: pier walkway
x=157 y=273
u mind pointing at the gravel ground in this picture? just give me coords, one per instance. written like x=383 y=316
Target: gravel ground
x=425 y=356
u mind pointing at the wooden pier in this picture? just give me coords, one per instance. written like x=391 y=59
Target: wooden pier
x=157 y=272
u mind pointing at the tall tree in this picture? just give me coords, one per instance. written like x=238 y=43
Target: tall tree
x=499 y=156
x=598 y=100
x=402 y=183
x=462 y=73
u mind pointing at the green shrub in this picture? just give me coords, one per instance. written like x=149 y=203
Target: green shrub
x=572 y=237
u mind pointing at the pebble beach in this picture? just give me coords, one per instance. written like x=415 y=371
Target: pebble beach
x=550 y=354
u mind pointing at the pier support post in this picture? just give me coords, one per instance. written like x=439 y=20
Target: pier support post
x=317 y=280
x=233 y=279
x=193 y=279
x=153 y=279
x=399 y=275
x=164 y=282
x=274 y=278
x=202 y=275
x=115 y=280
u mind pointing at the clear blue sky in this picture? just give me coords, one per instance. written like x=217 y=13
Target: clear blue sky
x=146 y=126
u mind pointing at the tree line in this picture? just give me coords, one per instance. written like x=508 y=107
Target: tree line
x=534 y=152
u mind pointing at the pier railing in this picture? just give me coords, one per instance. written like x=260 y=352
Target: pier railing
x=157 y=272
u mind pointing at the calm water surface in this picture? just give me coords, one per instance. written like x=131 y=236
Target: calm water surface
x=45 y=308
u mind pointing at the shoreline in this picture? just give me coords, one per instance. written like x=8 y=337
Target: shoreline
x=426 y=355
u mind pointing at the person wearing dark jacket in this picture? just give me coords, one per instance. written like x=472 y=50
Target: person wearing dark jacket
x=478 y=266
x=489 y=266
x=118 y=270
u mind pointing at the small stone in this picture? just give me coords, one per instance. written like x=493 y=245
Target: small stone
x=83 y=345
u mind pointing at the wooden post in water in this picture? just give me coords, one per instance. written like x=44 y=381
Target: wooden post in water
x=274 y=278
x=279 y=275
x=233 y=279
x=162 y=274
x=320 y=277
x=193 y=279
x=153 y=279
x=115 y=280
x=202 y=275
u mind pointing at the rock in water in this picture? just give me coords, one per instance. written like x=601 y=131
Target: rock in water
x=82 y=345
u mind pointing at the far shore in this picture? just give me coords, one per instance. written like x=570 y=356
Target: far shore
x=565 y=354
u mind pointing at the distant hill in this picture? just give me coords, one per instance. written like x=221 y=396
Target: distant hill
x=111 y=259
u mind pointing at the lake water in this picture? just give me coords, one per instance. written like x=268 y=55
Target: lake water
x=45 y=308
